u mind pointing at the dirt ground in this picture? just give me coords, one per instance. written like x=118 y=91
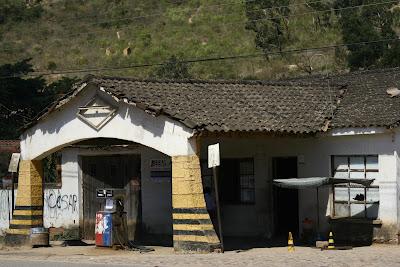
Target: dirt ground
x=376 y=255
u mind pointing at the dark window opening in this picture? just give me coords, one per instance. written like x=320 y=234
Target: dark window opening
x=236 y=180
x=5 y=176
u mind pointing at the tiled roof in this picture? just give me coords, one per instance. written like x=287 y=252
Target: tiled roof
x=231 y=106
x=9 y=146
x=366 y=102
x=302 y=105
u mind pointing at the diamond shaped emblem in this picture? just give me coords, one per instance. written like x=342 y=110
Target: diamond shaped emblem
x=97 y=112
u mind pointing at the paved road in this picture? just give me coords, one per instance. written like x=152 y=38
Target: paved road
x=377 y=255
x=34 y=263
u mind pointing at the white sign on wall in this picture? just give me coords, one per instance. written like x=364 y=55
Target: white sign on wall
x=213 y=156
x=160 y=170
x=13 y=167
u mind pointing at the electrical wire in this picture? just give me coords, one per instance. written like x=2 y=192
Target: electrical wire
x=228 y=24
x=195 y=9
x=199 y=60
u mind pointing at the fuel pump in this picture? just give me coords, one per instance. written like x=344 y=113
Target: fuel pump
x=111 y=225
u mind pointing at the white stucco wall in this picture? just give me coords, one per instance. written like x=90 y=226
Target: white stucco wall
x=5 y=210
x=63 y=207
x=243 y=219
x=63 y=127
x=317 y=151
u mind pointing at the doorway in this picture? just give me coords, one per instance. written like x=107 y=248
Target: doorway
x=286 y=201
x=112 y=171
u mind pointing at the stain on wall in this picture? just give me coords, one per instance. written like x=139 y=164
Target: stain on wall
x=5 y=210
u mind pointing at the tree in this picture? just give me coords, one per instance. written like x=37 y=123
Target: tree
x=369 y=23
x=19 y=97
x=22 y=98
x=18 y=10
x=269 y=22
x=172 y=69
x=323 y=13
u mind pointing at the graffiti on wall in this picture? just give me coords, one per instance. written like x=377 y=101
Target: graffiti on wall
x=59 y=204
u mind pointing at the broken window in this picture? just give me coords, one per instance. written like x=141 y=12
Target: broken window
x=351 y=199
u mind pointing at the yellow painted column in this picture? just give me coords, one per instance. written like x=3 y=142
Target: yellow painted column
x=28 y=212
x=192 y=227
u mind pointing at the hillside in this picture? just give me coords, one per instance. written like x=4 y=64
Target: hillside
x=78 y=34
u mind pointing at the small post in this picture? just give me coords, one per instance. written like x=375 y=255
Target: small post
x=12 y=193
x=8 y=205
x=318 y=211
x=213 y=162
x=215 y=175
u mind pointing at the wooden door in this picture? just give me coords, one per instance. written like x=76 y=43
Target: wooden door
x=118 y=172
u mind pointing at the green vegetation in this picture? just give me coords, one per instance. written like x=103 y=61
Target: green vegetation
x=173 y=69
x=18 y=11
x=77 y=34
x=22 y=98
x=270 y=24
x=369 y=23
x=72 y=35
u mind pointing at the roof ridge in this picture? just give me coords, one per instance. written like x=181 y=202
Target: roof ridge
x=211 y=81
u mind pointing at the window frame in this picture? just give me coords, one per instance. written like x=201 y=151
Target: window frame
x=58 y=173
x=349 y=186
x=207 y=179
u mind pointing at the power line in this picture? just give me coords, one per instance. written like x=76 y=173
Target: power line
x=191 y=9
x=237 y=23
x=199 y=60
x=195 y=9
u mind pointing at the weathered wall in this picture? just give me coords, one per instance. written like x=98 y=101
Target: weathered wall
x=258 y=219
x=156 y=196
x=61 y=206
x=63 y=127
x=5 y=210
x=193 y=229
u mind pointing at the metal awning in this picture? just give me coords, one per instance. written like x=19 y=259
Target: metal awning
x=315 y=182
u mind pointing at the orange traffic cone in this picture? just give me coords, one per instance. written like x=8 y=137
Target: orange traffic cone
x=331 y=242
x=290 y=243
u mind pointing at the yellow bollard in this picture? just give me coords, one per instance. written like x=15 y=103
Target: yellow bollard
x=331 y=242
x=290 y=243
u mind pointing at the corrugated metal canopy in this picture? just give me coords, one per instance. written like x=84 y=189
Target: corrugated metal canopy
x=314 y=182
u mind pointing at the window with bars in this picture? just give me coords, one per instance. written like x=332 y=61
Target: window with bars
x=236 y=180
x=351 y=199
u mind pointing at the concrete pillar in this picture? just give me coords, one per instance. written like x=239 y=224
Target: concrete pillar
x=388 y=199
x=192 y=227
x=28 y=212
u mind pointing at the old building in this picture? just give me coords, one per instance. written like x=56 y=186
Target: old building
x=150 y=138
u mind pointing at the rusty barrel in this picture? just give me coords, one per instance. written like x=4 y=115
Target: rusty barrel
x=39 y=237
